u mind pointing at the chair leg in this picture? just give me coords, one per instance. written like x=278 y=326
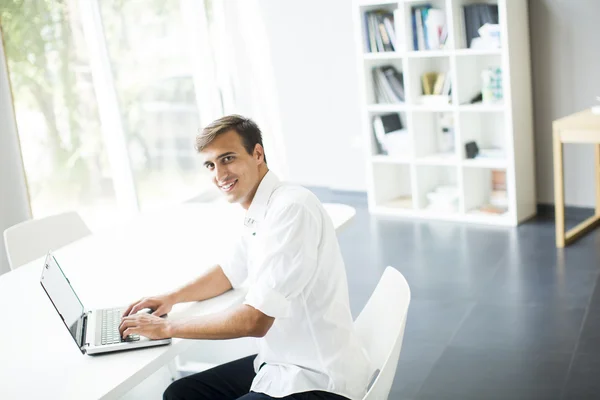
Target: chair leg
x=173 y=366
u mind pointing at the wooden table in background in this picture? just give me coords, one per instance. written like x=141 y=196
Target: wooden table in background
x=581 y=127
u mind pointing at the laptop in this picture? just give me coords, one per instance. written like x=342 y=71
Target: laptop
x=94 y=331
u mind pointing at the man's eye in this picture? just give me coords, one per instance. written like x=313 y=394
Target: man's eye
x=209 y=166
x=227 y=159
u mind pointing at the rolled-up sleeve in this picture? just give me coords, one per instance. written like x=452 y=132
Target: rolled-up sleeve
x=285 y=259
x=235 y=264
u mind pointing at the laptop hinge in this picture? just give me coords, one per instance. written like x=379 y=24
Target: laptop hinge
x=84 y=317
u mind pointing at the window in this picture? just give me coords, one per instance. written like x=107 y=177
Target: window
x=151 y=56
x=162 y=99
x=64 y=156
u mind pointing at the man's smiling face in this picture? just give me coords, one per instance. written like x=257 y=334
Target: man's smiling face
x=235 y=172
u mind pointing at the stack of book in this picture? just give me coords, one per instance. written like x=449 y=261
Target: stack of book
x=380 y=34
x=498 y=195
x=429 y=28
x=498 y=203
x=388 y=85
x=436 y=84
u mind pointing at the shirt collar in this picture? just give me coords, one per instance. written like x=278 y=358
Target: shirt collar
x=258 y=208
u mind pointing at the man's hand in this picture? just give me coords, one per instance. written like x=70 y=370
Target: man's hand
x=160 y=305
x=147 y=325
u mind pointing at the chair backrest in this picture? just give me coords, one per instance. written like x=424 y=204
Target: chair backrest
x=380 y=326
x=32 y=239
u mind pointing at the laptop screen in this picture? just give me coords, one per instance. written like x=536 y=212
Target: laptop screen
x=65 y=300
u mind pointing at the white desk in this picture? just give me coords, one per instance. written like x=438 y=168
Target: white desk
x=151 y=254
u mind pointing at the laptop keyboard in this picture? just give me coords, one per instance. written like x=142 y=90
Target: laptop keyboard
x=111 y=319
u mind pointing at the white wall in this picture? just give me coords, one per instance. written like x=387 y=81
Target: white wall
x=14 y=204
x=566 y=79
x=311 y=49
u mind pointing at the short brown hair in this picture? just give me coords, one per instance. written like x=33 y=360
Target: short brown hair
x=245 y=127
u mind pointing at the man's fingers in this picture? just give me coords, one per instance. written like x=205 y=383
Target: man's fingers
x=159 y=311
x=128 y=309
x=127 y=325
x=131 y=318
x=122 y=328
x=133 y=321
x=129 y=331
x=139 y=306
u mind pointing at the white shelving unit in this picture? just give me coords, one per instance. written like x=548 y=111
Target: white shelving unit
x=399 y=186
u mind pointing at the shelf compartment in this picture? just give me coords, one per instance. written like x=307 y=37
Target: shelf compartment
x=420 y=66
x=459 y=33
x=388 y=7
x=409 y=32
x=432 y=144
x=468 y=72
x=438 y=189
x=484 y=189
x=371 y=85
x=392 y=185
x=485 y=129
x=397 y=152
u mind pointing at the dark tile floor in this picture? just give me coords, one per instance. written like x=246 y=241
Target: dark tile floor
x=496 y=313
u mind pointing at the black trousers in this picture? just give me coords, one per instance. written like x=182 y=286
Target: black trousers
x=230 y=381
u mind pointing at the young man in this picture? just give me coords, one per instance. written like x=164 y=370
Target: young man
x=297 y=301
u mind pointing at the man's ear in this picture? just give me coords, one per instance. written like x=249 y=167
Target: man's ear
x=259 y=153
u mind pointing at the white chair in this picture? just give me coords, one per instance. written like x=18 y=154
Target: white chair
x=32 y=239
x=381 y=325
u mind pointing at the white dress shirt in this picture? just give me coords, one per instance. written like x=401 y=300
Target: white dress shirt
x=290 y=256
